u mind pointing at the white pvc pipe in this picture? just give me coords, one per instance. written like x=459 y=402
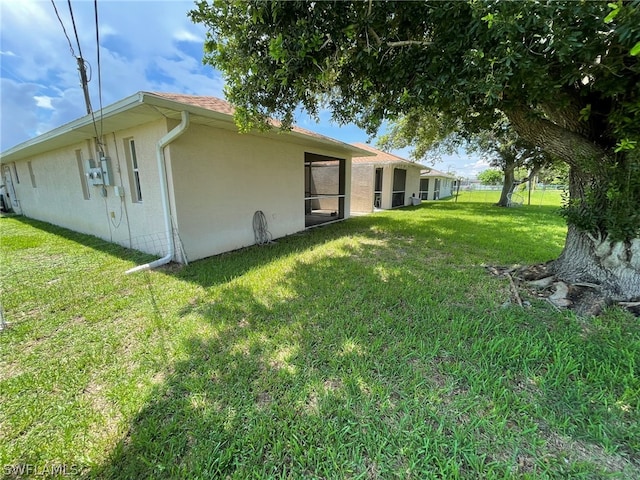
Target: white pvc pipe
x=164 y=192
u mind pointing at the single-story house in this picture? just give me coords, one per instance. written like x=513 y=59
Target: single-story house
x=435 y=184
x=382 y=181
x=170 y=175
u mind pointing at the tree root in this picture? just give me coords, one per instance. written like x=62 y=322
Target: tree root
x=538 y=281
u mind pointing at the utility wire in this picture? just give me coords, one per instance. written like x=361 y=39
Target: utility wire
x=82 y=64
x=95 y=8
x=73 y=54
x=73 y=22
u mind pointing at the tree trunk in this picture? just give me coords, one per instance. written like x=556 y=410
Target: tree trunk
x=613 y=266
x=593 y=258
x=507 y=186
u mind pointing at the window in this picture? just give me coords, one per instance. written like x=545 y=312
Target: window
x=33 y=177
x=84 y=183
x=134 y=171
x=15 y=172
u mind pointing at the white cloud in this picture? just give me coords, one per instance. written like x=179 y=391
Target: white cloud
x=481 y=163
x=43 y=101
x=7 y=53
x=184 y=36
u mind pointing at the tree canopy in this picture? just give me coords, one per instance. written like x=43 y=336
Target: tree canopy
x=490 y=176
x=565 y=74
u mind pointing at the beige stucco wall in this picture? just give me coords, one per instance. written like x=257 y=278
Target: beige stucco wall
x=221 y=178
x=362 y=184
x=217 y=179
x=413 y=183
x=445 y=190
x=58 y=196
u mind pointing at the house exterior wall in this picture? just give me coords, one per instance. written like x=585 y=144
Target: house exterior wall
x=221 y=178
x=412 y=184
x=445 y=188
x=362 y=188
x=217 y=180
x=362 y=185
x=58 y=196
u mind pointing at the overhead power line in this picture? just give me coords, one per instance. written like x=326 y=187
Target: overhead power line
x=95 y=8
x=75 y=30
x=82 y=66
x=73 y=54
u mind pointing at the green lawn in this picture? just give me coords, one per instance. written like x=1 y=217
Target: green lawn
x=378 y=347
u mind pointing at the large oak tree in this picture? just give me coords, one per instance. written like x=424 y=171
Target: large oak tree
x=565 y=74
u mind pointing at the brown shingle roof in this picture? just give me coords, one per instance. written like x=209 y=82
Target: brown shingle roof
x=379 y=156
x=432 y=172
x=210 y=103
x=222 y=106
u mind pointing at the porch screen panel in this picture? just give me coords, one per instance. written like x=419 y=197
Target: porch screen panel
x=424 y=188
x=399 y=185
x=324 y=189
x=377 y=192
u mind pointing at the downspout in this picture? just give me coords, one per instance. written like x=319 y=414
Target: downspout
x=164 y=193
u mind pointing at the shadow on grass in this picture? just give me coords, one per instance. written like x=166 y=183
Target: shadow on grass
x=351 y=363
x=85 y=240
x=267 y=393
x=355 y=363
x=299 y=380
x=383 y=354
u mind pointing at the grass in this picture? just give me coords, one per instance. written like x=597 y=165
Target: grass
x=374 y=348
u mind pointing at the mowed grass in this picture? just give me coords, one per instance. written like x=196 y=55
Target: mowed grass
x=378 y=347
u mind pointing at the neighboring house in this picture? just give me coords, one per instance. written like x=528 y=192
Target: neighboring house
x=435 y=184
x=172 y=176
x=382 y=181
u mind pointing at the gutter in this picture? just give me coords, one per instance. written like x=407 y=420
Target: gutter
x=164 y=192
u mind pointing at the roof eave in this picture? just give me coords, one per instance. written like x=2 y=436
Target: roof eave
x=83 y=128
x=29 y=147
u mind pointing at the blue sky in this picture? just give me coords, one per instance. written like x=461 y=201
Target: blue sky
x=148 y=45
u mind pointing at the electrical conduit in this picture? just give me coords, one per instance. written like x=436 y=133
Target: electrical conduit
x=164 y=192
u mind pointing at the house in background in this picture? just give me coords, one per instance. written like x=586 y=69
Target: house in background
x=171 y=176
x=382 y=181
x=435 y=184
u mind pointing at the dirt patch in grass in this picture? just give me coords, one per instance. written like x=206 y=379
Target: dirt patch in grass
x=571 y=450
x=263 y=400
x=110 y=419
x=9 y=370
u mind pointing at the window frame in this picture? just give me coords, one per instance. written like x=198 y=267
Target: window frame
x=134 y=170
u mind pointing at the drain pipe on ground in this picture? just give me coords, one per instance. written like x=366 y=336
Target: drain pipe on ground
x=164 y=193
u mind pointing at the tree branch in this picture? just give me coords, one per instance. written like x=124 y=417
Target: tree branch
x=400 y=43
x=375 y=36
x=555 y=139
x=404 y=43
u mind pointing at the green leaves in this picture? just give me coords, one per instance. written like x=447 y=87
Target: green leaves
x=614 y=12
